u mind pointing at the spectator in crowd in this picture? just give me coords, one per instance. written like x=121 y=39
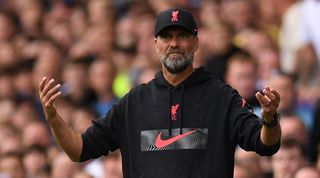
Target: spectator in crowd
x=6 y=131
x=35 y=161
x=268 y=64
x=11 y=143
x=11 y=165
x=285 y=84
x=8 y=107
x=25 y=114
x=7 y=26
x=250 y=160
x=218 y=42
x=307 y=172
x=31 y=17
x=290 y=104
x=36 y=133
x=209 y=13
x=7 y=89
x=76 y=82
x=102 y=73
x=290 y=40
x=241 y=171
x=241 y=74
x=48 y=61
x=309 y=26
x=62 y=167
x=290 y=158
x=307 y=61
x=255 y=41
x=112 y=165
x=23 y=79
x=239 y=14
x=307 y=74
x=294 y=128
x=82 y=117
x=269 y=19
x=8 y=54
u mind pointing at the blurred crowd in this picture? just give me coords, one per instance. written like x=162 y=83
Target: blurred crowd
x=99 y=49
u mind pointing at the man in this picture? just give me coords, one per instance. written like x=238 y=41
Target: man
x=285 y=85
x=184 y=123
x=250 y=160
x=292 y=127
x=241 y=74
x=307 y=172
x=289 y=159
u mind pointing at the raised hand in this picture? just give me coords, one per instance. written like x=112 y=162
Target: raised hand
x=69 y=141
x=48 y=93
x=269 y=102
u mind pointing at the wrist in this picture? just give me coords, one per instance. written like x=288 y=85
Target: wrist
x=268 y=116
x=267 y=122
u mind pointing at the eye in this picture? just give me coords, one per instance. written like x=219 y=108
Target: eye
x=165 y=36
x=185 y=35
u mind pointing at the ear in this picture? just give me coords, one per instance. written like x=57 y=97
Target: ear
x=156 y=42
x=196 y=43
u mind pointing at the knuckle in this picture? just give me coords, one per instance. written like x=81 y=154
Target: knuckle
x=45 y=99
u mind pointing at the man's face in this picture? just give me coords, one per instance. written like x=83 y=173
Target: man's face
x=242 y=76
x=286 y=89
x=175 y=47
x=286 y=162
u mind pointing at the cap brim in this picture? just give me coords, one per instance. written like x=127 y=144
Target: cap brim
x=194 y=32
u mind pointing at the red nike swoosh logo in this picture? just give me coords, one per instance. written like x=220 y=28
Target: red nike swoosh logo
x=163 y=143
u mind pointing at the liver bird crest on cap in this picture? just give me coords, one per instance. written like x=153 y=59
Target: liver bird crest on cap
x=174 y=15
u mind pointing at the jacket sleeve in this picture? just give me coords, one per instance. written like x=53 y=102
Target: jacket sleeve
x=103 y=136
x=246 y=128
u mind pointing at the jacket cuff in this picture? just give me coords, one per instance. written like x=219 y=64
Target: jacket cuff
x=265 y=150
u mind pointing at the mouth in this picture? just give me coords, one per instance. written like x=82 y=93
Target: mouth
x=175 y=53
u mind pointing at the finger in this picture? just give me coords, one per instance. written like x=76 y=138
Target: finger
x=46 y=88
x=276 y=94
x=51 y=92
x=267 y=88
x=42 y=83
x=52 y=99
x=269 y=95
x=263 y=100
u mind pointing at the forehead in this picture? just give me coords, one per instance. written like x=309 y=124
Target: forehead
x=173 y=29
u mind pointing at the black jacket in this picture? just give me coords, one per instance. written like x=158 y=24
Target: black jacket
x=190 y=130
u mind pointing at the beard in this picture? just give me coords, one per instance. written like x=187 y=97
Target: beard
x=176 y=63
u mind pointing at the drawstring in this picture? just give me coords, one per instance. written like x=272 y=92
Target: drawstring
x=181 y=107
x=169 y=113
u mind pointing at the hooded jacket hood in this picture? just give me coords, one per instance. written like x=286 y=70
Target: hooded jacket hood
x=198 y=76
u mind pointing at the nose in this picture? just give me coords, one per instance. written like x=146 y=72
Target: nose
x=174 y=42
